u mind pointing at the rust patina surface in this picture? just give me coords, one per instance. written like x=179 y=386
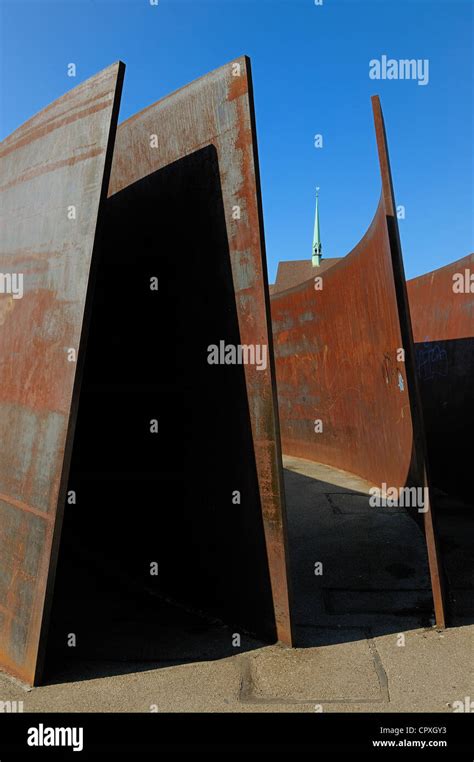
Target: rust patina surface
x=442 y=310
x=207 y=129
x=53 y=179
x=345 y=364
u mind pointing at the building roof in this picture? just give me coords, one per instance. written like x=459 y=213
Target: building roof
x=296 y=271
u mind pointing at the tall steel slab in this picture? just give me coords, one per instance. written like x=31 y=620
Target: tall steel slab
x=53 y=179
x=184 y=205
x=442 y=310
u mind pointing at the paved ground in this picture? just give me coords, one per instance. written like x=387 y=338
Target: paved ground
x=363 y=625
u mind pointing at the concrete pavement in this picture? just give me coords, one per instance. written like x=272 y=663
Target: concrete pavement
x=362 y=610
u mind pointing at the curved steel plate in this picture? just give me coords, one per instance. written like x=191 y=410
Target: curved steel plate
x=345 y=364
x=336 y=360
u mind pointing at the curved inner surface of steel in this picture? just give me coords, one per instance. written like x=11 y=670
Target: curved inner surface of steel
x=203 y=496
x=442 y=310
x=53 y=177
x=337 y=341
x=345 y=364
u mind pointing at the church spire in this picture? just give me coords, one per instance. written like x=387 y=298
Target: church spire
x=317 y=247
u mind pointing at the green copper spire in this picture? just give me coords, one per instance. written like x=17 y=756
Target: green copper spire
x=317 y=247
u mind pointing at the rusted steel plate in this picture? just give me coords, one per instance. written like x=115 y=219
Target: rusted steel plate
x=53 y=177
x=336 y=361
x=184 y=205
x=419 y=471
x=442 y=310
x=347 y=394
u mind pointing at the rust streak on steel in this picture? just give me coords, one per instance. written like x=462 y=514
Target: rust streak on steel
x=442 y=310
x=217 y=110
x=58 y=160
x=25 y=507
x=338 y=359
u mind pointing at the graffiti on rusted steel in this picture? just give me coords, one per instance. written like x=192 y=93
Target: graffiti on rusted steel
x=53 y=178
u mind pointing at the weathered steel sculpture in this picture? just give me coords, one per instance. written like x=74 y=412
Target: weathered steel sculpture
x=345 y=364
x=442 y=310
x=217 y=113
x=176 y=459
x=206 y=488
x=54 y=174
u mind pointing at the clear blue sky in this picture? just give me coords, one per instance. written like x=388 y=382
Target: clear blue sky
x=311 y=75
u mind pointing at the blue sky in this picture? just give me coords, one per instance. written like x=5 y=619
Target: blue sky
x=311 y=75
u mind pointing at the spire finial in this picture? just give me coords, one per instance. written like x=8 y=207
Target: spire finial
x=317 y=246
